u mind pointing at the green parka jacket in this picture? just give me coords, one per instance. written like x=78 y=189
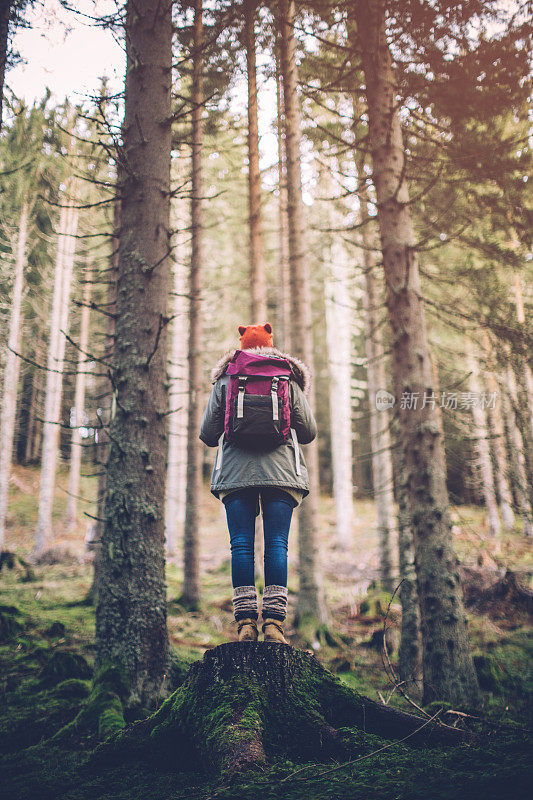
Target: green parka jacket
x=285 y=466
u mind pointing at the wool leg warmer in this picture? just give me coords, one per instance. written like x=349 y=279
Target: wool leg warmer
x=275 y=602
x=245 y=602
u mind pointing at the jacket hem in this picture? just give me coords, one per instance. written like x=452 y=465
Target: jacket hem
x=264 y=482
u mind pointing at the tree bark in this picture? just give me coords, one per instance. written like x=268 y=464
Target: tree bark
x=131 y=628
x=382 y=473
x=447 y=661
x=257 y=258
x=68 y=225
x=481 y=443
x=11 y=371
x=410 y=649
x=191 y=566
x=311 y=603
x=283 y=295
x=78 y=410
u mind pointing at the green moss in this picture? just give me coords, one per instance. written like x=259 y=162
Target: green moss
x=103 y=712
x=64 y=664
x=10 y=623
x=490 y=674
x=73 y=687
x=110 y=717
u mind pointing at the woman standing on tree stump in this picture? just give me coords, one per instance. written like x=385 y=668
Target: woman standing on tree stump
x=258 y=415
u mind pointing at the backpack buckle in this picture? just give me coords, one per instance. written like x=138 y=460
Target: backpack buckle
x=274 y=395
x=240 y=397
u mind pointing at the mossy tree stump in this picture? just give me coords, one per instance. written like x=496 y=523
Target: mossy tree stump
x=245 y=704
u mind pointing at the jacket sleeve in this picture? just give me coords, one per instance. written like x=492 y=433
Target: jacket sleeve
x=302 y=419
x=213 y=422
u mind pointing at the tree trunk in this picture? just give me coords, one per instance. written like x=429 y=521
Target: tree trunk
x=11 y=371
x=496 y=426
x=177 y=427
x=257 y=258
x=339 y=321
x=518 y=461
x=283 y=294
x=447 y=661
x=79 y=405
x=311 y=603
x=380 y=441
x=522 y=393
x=68 y=225
x=5 y=13
x=481 y=444
x=525 y=376
x=191 y=566
x=247 y=704
x=131 y=625
x=106 y=396
x=34 y=400
x=410 y=650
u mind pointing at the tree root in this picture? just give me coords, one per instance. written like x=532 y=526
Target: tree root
x=103 y=713
x=246 y=704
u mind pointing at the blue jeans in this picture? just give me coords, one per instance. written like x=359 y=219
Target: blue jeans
x=277 y=508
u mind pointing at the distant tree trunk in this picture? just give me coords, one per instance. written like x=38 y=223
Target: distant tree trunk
x=380 y=440
x=106 y=396
x=131 y=627
x=339 y=343
x=523 y=391
x=283 y=295
x=481 y=443
x=5 y=13
x=191 y=566
x=68 y=225
x=177 y=428
x=310 y=597
x=34 y=400
x=447 y=661
x=525 y=376
x=79 y=405
x=257 y=257
x=518 y=461
x=11 y=371
x=496 y=426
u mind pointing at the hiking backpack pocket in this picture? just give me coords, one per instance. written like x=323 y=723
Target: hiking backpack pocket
x=255 y=425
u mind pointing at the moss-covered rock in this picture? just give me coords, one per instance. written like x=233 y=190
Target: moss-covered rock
x=64 y=664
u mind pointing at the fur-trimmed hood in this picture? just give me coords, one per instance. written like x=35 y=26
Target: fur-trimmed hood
x=299 y=371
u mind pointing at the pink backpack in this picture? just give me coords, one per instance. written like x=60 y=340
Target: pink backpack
x=258 y=415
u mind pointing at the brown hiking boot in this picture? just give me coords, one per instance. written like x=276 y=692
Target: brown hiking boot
x=273 y=630
x=247 y=630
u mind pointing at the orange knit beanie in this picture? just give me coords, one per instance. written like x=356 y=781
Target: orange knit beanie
x=255 y=336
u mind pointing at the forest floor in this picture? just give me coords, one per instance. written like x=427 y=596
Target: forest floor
x=49 y=617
